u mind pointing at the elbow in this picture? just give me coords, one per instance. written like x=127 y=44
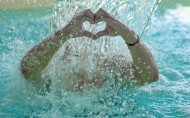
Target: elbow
x=25 y=70
x=151 y=76
x=155 y=76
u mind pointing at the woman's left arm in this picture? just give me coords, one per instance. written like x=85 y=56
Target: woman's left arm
x=146 y=69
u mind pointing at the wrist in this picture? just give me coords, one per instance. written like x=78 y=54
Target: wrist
x=130 y=39
x=135 y=43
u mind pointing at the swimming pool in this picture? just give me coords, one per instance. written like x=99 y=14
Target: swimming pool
x=168 y=37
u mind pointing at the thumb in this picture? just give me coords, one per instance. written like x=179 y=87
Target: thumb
x=102 y=33
x=89 y=34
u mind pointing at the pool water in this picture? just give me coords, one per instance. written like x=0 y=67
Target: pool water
x=168 y=38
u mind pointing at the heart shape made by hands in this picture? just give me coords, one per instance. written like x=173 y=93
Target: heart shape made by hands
x=94 y=28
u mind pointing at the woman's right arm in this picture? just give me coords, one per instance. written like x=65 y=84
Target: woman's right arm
x=39 y=56
x=37 y=59
x=145 y=67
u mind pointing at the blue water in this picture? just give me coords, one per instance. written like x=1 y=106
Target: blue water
x=168 y=38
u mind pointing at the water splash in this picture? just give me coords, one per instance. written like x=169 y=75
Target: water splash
x=85 y=56
x=83 y=53
x=59 y=103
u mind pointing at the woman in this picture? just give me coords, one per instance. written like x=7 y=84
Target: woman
x=37 y=59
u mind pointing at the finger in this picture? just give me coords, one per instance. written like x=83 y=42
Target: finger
x=87 y=19
x=101 y=19
x=87 y=34
x=86 y=15
x=101 y=13
x=89 y=13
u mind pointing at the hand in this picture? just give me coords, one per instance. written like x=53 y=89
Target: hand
x=113 y=26
x=75 y=27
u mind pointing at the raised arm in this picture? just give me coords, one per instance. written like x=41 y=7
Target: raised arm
x=144 y=63
x=37 y=59
x=146 y=70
